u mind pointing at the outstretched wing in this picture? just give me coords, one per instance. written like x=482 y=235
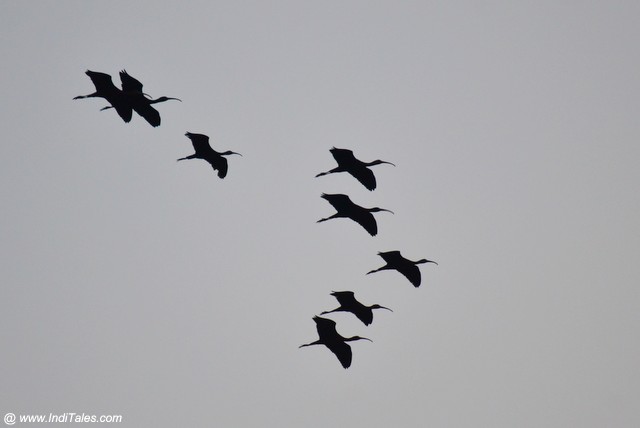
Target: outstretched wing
x=220 y=164
x=342 y=156
x=200 y=142
x=145 y=110
x=129 y=84
x=342 y=350
x=345 y=298
x=113 y=95
x=365 y=176
x=339 y=201
x=391 y=257
x=412 y=273
x=367 y=220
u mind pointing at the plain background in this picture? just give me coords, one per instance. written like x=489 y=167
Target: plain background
x=136 y=285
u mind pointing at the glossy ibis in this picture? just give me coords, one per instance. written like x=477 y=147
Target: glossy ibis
x=107 y=90
x=138 y=100
x=348 y=303
x=346 y=208
x=204 y=151
x=406 y=267
x=347 y=162
x=329 y=337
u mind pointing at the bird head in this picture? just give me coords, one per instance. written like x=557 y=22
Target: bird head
x=351 y=339
x=378 y=162
x=376 y=210
x=376 y=306
x=229 y=152
x=163 y=99
x=425 y=261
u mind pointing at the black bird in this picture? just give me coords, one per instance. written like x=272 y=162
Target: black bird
x=406 y=267
x=329 y=337
x=204 y=151
x=348 y=303
x=347 y=162
x=107 y=90
x=138 y=100
x=346 y=208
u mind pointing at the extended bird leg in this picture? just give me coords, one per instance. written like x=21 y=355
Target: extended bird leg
x=337 y=169
x=377 y=270
x=317 y=342
x=328 y=218
x=189 y=157
x=79 y=97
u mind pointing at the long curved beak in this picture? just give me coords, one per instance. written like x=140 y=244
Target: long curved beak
x=384 y=307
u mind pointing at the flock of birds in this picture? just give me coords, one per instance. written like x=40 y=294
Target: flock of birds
x=132 y=98
x=345 y=208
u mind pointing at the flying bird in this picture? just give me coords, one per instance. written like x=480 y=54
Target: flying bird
x=406 y=267
x=138 y=100
x=346 y=208
x=107 y=90
x=329 y=337
x=347 y=162
x=348 y=303
x=204 y=151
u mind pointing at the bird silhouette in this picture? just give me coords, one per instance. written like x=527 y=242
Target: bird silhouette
x=406 y=267
x=107 y=90
x=204 y=151
x=347 y=162
x=138 y=100
x=348 y=303
x=346 y=208
x=329 y=337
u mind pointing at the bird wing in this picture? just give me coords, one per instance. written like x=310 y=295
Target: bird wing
x=342 y=350
x=367 y=220
x=114 y=96
x=129 y=84
x=365 y=176
x=145 y=110
x=412 y=273
x=200 y=142
x=391 y=257
x=338 y=201
x=102 y=81
x=345 y=298
x=342 y=155
x=124 y=110
x=220 y=164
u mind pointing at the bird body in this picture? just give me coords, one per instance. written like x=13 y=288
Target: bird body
x=204 y=151
x=347 y=209
x=406 y=267
x=329 y=337
x=348 y=303
x=347 y=162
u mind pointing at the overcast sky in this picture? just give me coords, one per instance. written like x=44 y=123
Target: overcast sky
x=133 y=284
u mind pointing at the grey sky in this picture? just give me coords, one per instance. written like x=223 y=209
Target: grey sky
x=136 y=285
